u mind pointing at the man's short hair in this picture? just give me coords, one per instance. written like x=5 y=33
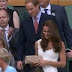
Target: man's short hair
x=34 y=2
x=4 y=10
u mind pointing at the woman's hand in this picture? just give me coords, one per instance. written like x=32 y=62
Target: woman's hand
x=41 y=63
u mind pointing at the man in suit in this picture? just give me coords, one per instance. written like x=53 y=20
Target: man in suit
x=6 y=32
x=61 y=20
x=27 y=34
x=9 y=31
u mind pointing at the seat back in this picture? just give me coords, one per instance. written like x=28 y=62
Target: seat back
x=10 y=7
x=69 y=14
x=22 y=12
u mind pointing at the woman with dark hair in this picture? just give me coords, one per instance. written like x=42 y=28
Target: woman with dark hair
x=14 y=24
x=50 y=47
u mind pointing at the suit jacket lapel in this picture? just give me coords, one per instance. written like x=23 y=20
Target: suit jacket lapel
x=40 y=24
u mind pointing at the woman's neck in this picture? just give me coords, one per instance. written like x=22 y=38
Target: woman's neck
x=50 y=45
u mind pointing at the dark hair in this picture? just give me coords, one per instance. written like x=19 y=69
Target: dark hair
x=1 y=39
x=54 y=37
x=34 y=2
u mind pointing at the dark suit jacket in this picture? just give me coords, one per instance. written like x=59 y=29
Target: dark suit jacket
x=63 y=27
x=62 y=24
x=27 y=36
x=13 y=42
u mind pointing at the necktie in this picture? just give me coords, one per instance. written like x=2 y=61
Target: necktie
x=45 y=11
x=35 y=24
x=4 y=37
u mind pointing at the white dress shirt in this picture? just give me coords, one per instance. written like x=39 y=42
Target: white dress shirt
x=38 y=17
x=48 y=11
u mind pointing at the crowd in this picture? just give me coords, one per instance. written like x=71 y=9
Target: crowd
x=43 y=33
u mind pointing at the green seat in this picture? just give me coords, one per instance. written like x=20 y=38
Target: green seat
x=69 y=14
x=22 y=12
x=10 y=7
x=70 y=59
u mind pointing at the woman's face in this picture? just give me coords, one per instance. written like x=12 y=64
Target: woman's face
x=46 y=32
x=1 y=44
x=3 y=3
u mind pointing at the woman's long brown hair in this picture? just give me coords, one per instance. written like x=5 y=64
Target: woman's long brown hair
x=1 y=40
x=54 y=37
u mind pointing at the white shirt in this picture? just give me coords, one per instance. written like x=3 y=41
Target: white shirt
x=38 y=17
x=48 y=11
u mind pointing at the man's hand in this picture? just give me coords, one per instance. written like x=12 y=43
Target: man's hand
x=69 y=54
x=10 y=31
x=19 y=65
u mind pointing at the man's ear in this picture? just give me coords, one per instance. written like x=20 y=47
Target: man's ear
x=8 y=18
x=37 y=5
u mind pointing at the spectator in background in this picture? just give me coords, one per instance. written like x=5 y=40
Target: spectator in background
x=7 y=35
x=4 y=59
x=14 y=18
x=30 y=31
x=13 y=22
x=2 y=45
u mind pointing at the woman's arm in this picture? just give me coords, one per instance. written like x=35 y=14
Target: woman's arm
x=16 y=20
x=60 y=63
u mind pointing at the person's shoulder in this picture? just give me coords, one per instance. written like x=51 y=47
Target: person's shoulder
x=57 y=7
x=11 y=69
x=11 y=10
x=38 y=41
x=26 y=19
x=63 y=44
x=48 y=17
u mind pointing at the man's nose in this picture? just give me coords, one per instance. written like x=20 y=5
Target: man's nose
x=1 y=19
x=29 y=11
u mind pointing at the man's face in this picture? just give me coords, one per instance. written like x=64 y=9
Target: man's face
x=3 y=3
x=32 y=10
x=4 y=18
x=44 y=3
